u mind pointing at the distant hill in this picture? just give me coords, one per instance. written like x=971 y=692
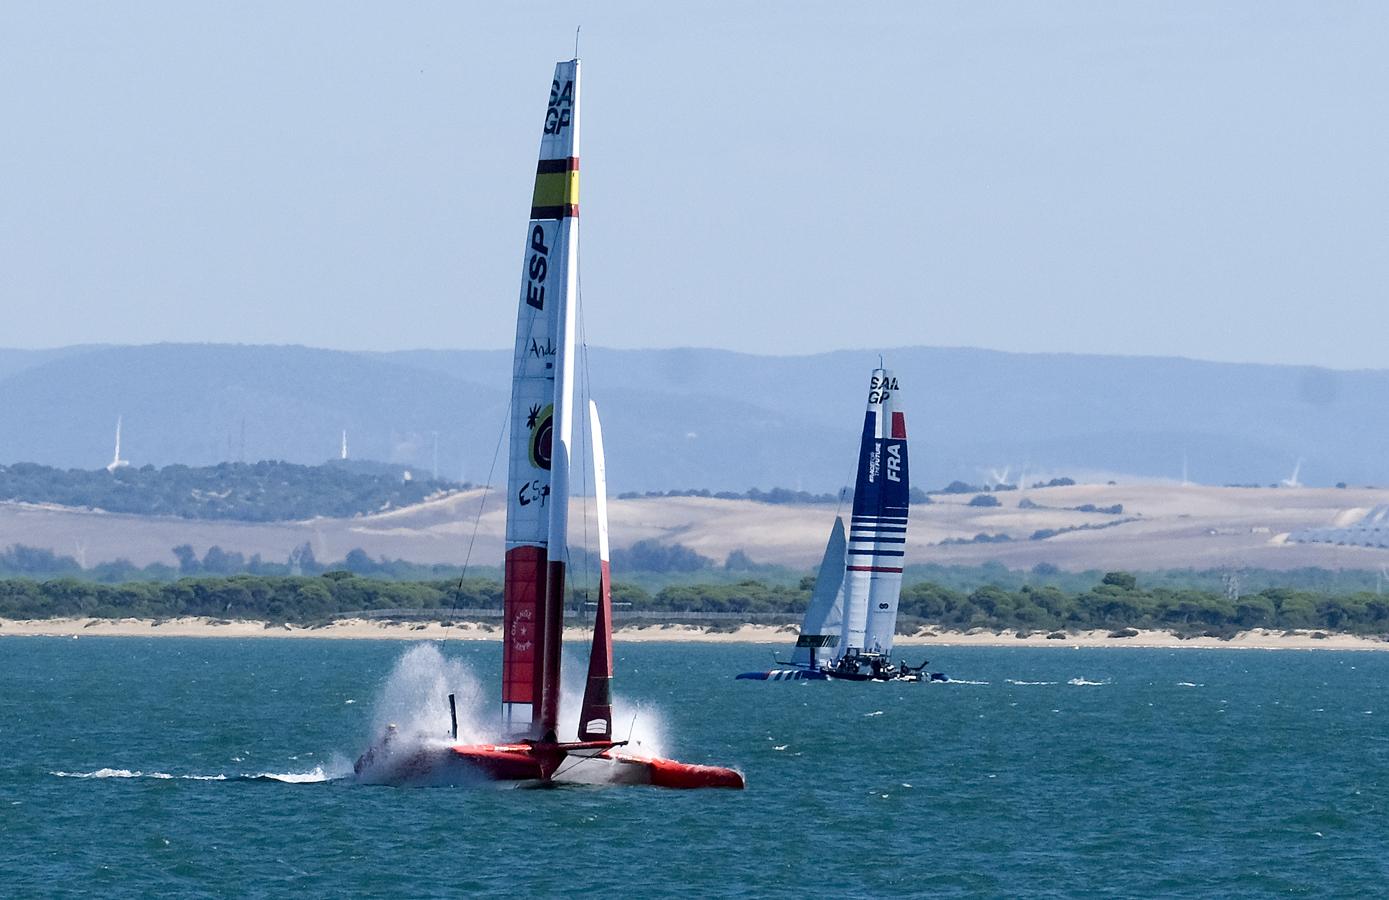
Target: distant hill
x=692 y=418
x=244 y=492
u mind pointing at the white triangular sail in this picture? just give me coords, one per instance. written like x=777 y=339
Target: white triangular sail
x=821 y=631
x=542 y=421
x=596 y=711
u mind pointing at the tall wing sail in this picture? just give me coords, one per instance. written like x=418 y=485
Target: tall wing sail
x=878 y=529
x=822 y=629
x=541 y=422
x=596 y=713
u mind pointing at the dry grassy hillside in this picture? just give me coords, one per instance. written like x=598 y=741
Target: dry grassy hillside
x=1161 y=526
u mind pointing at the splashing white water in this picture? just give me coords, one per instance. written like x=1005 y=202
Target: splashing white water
x=640 y=724
x=1081 y=682
x=415 y=698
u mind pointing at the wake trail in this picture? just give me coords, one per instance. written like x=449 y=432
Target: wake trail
x=317 y=775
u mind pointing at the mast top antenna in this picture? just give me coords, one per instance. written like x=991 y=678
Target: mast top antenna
x=577 y=29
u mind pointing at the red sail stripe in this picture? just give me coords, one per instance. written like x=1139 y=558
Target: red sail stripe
x=523 y=623
x=597 y=705
x=899 y=426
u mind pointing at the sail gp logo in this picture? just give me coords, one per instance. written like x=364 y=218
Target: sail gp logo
x=875 y=463
x=894 y=462
x=560 y=115
x=879 y=389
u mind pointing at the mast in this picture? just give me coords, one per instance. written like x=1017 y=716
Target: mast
x=596 y=713
x=542 y=425
x=878 y=527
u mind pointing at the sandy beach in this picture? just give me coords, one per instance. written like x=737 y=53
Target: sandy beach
x=363 y=629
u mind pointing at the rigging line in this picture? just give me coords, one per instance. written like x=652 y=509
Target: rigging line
x=491 y=471
x=578 y=760
x=477 y=522
x=523 y=342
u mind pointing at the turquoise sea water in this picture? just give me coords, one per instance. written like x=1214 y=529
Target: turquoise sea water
x=206 y=767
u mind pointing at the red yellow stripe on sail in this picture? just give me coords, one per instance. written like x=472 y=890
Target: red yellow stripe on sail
x=556 y=189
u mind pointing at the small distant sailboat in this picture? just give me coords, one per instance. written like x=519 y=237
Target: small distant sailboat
x=848 y=629
x=537 y=529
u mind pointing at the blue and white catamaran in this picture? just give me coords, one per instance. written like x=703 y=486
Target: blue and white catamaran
x=849 y=626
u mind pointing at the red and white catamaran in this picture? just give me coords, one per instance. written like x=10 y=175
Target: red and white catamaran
x=542 y=425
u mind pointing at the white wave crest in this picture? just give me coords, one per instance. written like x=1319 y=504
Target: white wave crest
x=1029 y=683
x=129 y=773
x=1081 y=682
x=311 y=777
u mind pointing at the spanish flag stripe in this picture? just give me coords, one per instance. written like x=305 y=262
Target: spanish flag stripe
x=551 y=166
x=555 y=212
x=556 y=195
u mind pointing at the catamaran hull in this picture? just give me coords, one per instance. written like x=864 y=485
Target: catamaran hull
x=822 y=675
x=784 y=675
x=528 y=765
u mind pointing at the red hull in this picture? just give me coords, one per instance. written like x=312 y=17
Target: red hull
x=590 y=762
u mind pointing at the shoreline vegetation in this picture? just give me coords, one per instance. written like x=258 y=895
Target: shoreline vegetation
x=1118 y=609
x=775 y=636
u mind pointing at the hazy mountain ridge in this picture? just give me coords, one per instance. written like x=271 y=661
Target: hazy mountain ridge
x=704 y=418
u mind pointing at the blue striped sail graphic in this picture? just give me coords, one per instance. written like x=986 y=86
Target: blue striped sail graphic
x=878 y=525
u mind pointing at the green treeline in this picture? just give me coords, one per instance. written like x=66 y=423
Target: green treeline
x=267 y=491
x=302 y=599
x=653 y=567
x=1116 y=602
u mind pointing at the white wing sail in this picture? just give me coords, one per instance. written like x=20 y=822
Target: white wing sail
x=542 y=419
x=821 y=632
x=878 y=528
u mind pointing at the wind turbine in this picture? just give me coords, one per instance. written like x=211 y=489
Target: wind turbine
x=999 y=477
x=116 y=461
x=344 y=443
x=1291 y=481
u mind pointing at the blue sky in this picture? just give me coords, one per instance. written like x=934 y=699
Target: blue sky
x=1191 y=179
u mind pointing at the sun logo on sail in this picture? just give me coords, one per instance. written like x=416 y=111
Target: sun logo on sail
x=542 y=428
